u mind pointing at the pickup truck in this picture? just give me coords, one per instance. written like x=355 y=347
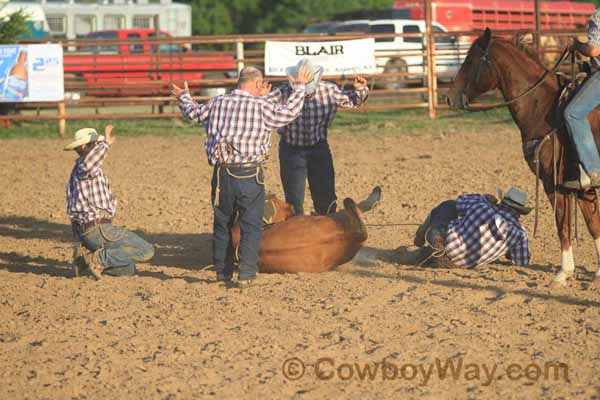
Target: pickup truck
x=138 y=68
x=401 y=54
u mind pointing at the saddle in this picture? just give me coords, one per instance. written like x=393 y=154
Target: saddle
x=570 y=87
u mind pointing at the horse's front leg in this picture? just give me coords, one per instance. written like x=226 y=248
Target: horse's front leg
x=591 y=213
x=563 y=224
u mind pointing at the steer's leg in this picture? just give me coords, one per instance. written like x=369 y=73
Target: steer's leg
x=591 y=213
x=355 y=224
x=563 y=223
x=371 y=201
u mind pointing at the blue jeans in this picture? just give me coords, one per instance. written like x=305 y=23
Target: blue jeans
x=240 y=196
x=315 y=163
x=576 y=117
x=121 y=248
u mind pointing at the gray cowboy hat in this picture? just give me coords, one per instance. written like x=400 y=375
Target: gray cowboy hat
x=515 y=199
x=315 y=73
x=83 y=136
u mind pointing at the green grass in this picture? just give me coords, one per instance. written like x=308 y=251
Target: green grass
x=414 y=121
x=417 y=121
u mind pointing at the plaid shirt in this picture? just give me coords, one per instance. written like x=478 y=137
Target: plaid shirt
x=88 y=190
x=483 y=232
x=318 y=111
x=239 y=125
x=594 y=29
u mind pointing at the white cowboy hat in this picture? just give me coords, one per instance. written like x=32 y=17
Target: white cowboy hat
x=515 y=199
x=83 y=136
x=314 y=73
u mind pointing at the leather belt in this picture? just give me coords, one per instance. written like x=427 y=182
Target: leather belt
x=239 y=165
x=80 y=228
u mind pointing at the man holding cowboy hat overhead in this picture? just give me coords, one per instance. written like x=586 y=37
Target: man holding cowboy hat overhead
x=303 y=148
x=91 y=207
x=472 y=230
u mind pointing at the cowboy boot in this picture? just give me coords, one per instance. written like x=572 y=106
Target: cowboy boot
x=79 y=265
x=583 y=182
x=92 y=260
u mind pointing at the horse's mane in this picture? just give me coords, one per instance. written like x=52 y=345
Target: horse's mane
x=530 y=52
x=520 y=44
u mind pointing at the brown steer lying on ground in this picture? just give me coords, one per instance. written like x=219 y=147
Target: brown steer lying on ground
x=315 y=243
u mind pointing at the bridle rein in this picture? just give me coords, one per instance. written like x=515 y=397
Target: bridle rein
x=486 y=60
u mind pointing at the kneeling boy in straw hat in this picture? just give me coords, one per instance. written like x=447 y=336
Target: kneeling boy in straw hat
x=91 y=207
x=472 y=230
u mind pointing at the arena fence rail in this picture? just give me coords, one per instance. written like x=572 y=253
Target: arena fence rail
x=138 y=73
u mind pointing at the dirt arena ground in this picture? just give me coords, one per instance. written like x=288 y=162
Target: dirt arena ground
x=362 y=331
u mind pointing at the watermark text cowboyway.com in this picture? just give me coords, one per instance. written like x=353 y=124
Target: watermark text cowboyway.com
x=456 y=369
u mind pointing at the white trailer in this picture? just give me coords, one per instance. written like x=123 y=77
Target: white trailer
x=72 y=19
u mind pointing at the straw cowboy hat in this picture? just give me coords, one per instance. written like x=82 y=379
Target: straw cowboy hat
x=314 y=73
x=83 y=136
x=515 y=199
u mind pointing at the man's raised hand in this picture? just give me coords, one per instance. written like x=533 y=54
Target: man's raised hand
x=303 y=75
x=360 y=83
x=177 y=91
x=266 y=88
x=108 y=137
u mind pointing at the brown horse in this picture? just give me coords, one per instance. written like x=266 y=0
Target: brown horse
x=493 y=63
x=315 y=243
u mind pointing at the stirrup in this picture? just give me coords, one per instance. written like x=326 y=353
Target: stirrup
x=582 y=182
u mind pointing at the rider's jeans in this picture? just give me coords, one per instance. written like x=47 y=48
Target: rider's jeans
x=576 y=116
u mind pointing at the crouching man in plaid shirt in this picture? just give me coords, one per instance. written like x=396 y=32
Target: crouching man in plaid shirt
x=238 y=127
x=91 y=207
x=472 y=230
x=303 y=148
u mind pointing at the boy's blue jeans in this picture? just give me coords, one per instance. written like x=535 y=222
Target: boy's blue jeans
x=121 y=248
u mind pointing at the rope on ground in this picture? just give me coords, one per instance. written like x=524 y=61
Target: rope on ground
x=436 y=253
x=386 y=225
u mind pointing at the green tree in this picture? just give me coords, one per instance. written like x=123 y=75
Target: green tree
x=269 y=16
x=13 y=27
x=282 y=16
x=10 y=29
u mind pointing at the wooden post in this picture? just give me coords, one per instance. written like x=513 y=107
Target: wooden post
x=95 y=72
x=62 y=122
x=157 y=37
x=538 y=26
x=431 y=79
x=239 y=54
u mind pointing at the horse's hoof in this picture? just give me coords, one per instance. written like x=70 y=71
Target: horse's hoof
x=596 y=280
x=560 y=280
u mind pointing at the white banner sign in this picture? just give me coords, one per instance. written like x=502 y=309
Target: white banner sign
x=342 y=57
x=31 y=73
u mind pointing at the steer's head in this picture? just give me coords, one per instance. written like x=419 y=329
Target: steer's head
x=277 y=210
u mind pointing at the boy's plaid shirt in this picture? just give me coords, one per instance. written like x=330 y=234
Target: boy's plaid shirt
x=88 y=191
